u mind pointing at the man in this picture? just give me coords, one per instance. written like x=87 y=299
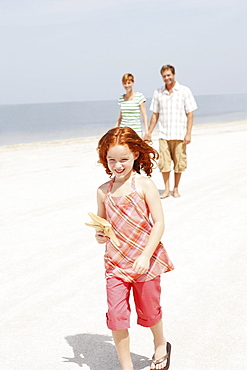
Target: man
x=173 y=106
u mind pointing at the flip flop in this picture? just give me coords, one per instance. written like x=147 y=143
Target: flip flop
x=162 y=359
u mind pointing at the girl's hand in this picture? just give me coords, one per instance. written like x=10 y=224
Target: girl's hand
x=100 y=237
x=141 y=265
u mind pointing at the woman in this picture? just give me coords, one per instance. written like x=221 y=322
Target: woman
x=132 y=106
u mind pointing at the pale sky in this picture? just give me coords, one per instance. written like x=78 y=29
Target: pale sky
x=76 y=50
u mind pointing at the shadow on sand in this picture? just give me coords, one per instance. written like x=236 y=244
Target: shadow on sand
x=98 y=352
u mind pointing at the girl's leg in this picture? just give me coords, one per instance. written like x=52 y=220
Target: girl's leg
x=159 y=344
x=147 y=300
x=122 y=344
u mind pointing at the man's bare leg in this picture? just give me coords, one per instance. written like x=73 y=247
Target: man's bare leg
x=177 y=177
x=166 y=178
x=122 y=344
x=159 y=344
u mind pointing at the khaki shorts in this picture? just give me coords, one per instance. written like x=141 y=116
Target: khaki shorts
x=172 y=151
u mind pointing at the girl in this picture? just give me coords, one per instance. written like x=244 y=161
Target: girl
x=132 y=105
x=126 y=201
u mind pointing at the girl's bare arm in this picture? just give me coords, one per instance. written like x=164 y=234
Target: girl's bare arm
x=101 y=212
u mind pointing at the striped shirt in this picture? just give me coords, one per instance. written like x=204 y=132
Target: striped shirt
x=129 y=217
x=172 y=109
x=131 y=112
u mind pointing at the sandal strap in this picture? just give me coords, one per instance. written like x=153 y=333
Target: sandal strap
x=160 y=360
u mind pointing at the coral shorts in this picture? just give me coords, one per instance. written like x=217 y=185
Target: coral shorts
x=147 y=302
x=172 y=150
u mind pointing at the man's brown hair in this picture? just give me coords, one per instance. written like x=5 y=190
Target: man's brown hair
x=167 y=66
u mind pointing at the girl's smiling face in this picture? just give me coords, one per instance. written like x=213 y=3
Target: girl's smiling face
x=120 y=160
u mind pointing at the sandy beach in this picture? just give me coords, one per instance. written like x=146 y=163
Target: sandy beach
x=53 y=300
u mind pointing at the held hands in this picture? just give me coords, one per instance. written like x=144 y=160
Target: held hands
x=147 y=136
x=141 y=264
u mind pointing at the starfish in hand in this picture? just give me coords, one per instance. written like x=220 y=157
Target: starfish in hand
x=103 y=225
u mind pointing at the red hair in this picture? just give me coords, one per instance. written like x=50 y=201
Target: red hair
x=126 y=136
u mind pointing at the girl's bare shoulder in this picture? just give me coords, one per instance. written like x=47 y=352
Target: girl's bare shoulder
x=104 y=187
x=144 y=184
x=144 y=180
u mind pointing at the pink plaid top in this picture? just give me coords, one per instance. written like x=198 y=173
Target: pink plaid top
x=129 y=217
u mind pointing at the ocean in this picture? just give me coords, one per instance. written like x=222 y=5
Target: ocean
x=26 y=123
